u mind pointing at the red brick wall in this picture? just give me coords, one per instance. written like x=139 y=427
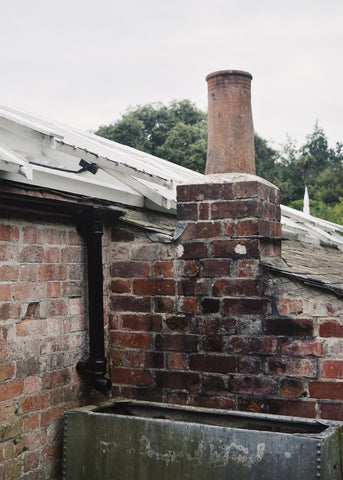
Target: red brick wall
x=231 y=336
x=43 y=334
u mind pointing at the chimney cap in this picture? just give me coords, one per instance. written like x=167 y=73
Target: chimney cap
x=229 y=72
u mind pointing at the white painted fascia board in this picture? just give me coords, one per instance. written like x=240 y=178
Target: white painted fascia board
x=13 y=162
x=112 y=165
x=76 y=184
x=156 y=197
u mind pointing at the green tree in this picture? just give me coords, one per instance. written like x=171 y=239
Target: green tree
x=177 y=132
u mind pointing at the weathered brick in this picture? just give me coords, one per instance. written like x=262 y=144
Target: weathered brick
x=234 y=287
x=119 y=235
x=120 y=286
x=193 y=193
x=9 y=233
x=204 y=211
x=242 y=248
x=326 y=389
x=194 y=250
x=31 y=385
x=31 y=461
x=6 y=371
x=29 y=291
x=149 y=252
x=130 y=304
x=152 y=287
x=236 y=209
x=11 y=390
x=331 y=328
x=213 y=363
x=253 y=227
x=332 y=411
x=176 y=361
x=187 y=211
x=31 y=327
x=54 y=289
x=177 y=380
x=213 y=383
x=5 y=292
x=301 y=327
x=9 y=311
x=71 y=255
x=210 y=305
x=151 y=323
x=301 y=347
x=212 y=343
x=149 y=393
x=32 y=254
x=292 y=388
x=7 y=333
x=29 y=272
x=130 y=339
x=189 y=305
x=224 y=401
x=9 y=273
x=142 y=359
x=332 y=369
x=164 y=305
x=214 y=325
x=298 y=367
x=164 y=269
x=56 y=307
x=298 y=408
x=192 y=287
x=190 y=268
x=202 y=230
x=289 y=306
x=249 y=365
x=176 y=342
x=129 y=269
x=52 y=236
x=215 y=267
x=129 y=376
x=251 y=404
x=253 y=385
x=177 y=323
x=245 y=306
x=53 y=272
x=52 y=255
x=34 y=403
x=252 y=345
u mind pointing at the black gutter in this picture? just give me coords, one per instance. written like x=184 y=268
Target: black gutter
x=90 y=220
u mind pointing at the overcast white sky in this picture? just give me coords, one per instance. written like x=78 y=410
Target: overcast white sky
x=83 y=62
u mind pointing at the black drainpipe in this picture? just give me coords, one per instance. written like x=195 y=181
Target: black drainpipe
x=90 y=224
x=91 y=227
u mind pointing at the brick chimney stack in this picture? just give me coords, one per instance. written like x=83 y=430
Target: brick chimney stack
x=230 y=125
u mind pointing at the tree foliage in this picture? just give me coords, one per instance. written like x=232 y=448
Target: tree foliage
x=178 y=132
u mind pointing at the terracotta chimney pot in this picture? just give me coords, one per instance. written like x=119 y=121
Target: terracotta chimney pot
x=230 y=125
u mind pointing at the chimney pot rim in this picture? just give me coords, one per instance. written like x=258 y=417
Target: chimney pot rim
x=228 y=72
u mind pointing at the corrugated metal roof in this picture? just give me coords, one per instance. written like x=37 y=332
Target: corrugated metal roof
x=125 y=175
